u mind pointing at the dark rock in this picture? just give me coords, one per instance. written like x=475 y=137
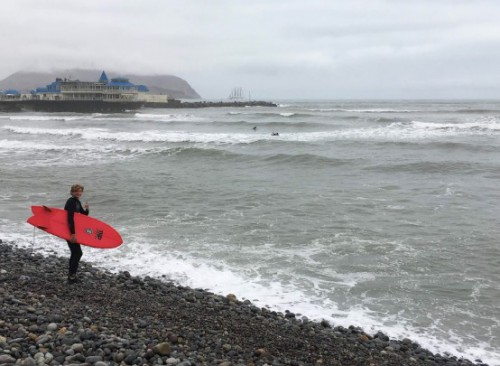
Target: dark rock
x=78 y=358
x=93 y=359
x=325 y=324
x=163 y=349
x=118 y=357
x=131 y=359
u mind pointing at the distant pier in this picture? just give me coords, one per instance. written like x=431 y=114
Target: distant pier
x=174 y=103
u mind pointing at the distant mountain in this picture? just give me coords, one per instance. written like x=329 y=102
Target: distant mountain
x=173 y=86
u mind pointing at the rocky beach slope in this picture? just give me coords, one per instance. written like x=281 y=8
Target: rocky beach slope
x=117 y=319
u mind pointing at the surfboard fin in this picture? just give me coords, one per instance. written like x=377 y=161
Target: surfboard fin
x=47 y=208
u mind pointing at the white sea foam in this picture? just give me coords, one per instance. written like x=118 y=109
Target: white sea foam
x=55 y=131
x=393 y=132
x=253 y=113
x=169 y=117
x=35 y=153
x=107 y=117
x=144 y=136
x=481 y=125
x=399 y=131
x=9 y=146
x=46 y=118
x=368 y=110
x=412 y=131
x=177 y=136
x=16 y=145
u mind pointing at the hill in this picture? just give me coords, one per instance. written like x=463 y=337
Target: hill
x=173 y=86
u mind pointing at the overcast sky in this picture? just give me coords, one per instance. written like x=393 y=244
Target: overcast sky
x=274 y=49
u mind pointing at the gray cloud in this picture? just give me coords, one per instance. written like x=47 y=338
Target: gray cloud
x=276 y=49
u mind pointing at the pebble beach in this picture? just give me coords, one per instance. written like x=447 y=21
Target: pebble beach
x=118 y=319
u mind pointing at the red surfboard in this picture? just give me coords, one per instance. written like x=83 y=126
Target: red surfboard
x=88 y=231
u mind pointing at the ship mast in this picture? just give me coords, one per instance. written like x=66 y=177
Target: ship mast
x=237 y=94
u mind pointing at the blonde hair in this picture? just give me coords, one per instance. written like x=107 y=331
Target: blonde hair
x=76 y=187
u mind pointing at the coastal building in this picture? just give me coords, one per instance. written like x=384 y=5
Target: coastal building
x=152 y=99
x=65 y=95
x=10 y=94
x=118 y=89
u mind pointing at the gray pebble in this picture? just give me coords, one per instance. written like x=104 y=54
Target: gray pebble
x=28 y=362
x=77 y=347
x=6 y=359
x=93 y=359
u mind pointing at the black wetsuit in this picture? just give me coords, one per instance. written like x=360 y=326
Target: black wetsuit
x=73 y=205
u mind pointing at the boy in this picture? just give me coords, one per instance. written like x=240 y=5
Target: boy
x=73 y=205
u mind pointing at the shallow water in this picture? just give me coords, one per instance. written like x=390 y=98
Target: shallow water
x=378 y=214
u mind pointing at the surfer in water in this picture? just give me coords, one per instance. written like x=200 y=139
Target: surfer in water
x=73 y=205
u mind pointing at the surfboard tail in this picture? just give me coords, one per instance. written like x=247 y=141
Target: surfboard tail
x=33 y=220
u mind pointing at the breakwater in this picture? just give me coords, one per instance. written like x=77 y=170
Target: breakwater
x=174 y=103
x=99 y=106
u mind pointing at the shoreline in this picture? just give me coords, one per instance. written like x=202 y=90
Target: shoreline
x=119 y=319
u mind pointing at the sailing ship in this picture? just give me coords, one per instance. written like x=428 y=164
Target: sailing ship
x=237 y=94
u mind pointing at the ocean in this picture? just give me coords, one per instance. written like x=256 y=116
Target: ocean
x=378 y=214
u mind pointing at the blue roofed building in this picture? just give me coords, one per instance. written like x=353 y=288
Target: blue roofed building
x=10 y=94
x=104 y=94
x=104 y=78
x=118 y=89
